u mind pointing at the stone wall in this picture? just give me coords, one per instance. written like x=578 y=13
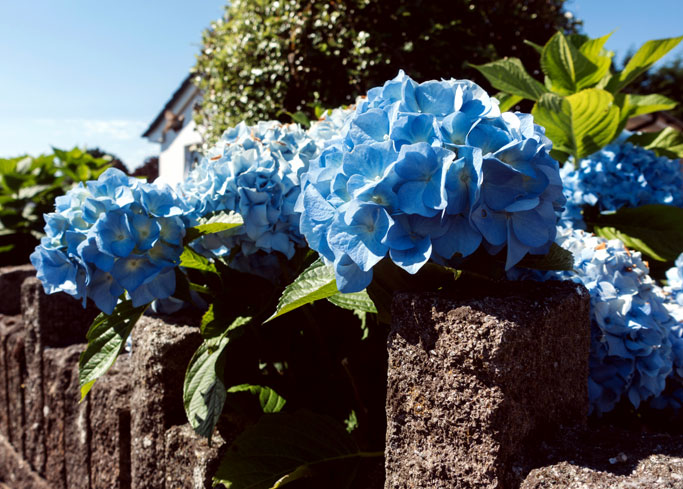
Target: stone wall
x=50 y=440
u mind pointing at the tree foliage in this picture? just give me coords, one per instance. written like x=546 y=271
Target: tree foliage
x=266 y=59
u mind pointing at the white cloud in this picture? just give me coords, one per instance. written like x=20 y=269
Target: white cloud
x=120 y=137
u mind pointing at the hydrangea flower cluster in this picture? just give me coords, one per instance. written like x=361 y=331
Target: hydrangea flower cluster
x=252 y=170
x=632 y=343
x=621 y=175
x=112 y=235
x=427 y=171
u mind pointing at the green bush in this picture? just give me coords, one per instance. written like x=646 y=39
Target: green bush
x=28 y=188
x=267 y=58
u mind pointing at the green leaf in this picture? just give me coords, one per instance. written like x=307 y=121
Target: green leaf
x=537 y=47
x=507 y=101
x=6 y=248
x=646 y=56
x=315 y=283
x=568 y=68
x=204 y=392
x=509 y=75
x=633 y=105
x=667 y=142
x=106 y=339
x=355 y=301
x=220 y=222
x=269 y=400
x=655 y=230
x=579 y=124
x=191 y=259
x=281 y=448
x=556 y=259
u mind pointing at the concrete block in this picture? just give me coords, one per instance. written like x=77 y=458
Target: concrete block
x=76 y=430
x=161 y=353
x=16 y=383
x=11 y=279
x=190 y=462
x=470 y=380
x=8 y=324
x=109 y=423
x=15 y=473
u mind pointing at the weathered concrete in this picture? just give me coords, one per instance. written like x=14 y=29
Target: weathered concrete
x=76 y=430
x=161 y=353
x=604 y=458
x=470 y=380
x=15 y=472
x=110 y=409
x=11 y=279
x=190 y=462
x=16 y=378
x=55 y=320
x=8 y=324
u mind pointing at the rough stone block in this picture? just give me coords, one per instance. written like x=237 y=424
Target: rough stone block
x=604 y=457
x=55 y=320
x=16 y=379
x=110 y=410
x=161 y=353
x=58 y=364
x=76 y=430
x=8 y=324
x=15 y=473
x=11 y=279
x=470 y=380
x=190 y=462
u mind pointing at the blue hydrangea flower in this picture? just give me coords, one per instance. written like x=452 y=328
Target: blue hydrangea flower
x=253 y=170
x=633 y=349
x=426 y=172
x=113 y=235
x=621 y=175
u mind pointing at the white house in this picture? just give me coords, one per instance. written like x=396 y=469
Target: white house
x=177 y=133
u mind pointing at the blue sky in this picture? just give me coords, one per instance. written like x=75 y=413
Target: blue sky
x=83 y=72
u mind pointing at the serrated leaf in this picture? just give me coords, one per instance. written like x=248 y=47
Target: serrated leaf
x=579 y=124
x=667 y=142
x=204 y=392
x=509 y=76
x=355 y=301
x=281 y=448
x=106 y=339
x=191 y=259
x=507 y=101
x=655 y=230
x=556 y=259
x=648 y=54
x=633 y=105
x=315 y=283
x=269 y=400
x=567 y=68
x=220 y=222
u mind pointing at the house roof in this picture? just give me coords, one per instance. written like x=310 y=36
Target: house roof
x=187 y=83
x=655 y=121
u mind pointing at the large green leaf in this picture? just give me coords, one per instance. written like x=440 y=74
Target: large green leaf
x=579 y=124
x=633 y=105
x=507 y=101
x=315 y=283
x=656 y=230
x=509 y=75
x=556 y=259
x=593 y=50
x=355 y=301
x=222 y=221
x=568 y=68
x=667 y=142
x=204 y=392
x=646 y=56
x=106 y=339
x=282 y=448
x=269 y=400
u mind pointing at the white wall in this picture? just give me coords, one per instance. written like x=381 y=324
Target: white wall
x=172 y=157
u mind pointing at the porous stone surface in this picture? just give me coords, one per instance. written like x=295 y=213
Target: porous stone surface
x=110 y=410
x=15 y=473
x=55 y=320
x=76 y=429
x=11 y=279
x=15 y=361
x=190 y=461
x=604 y=457
x=161 y=353
x=470 y=380
x=8 y=324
